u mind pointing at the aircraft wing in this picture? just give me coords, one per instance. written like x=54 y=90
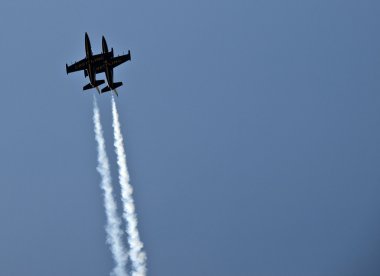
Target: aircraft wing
x=98 y=61
x=116 y=61
x=100 y=58
x=77 y=66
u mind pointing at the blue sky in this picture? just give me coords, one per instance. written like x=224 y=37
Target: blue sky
x=251 y=130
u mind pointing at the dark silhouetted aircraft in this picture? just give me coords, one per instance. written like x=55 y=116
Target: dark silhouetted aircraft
x=89 y=64
x=95 y=64
x=111 y=62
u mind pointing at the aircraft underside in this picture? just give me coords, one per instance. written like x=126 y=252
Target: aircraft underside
x=92 y=65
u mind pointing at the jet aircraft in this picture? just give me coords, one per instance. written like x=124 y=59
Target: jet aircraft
x=88 y=65
x=95 y=64
x=111 y=62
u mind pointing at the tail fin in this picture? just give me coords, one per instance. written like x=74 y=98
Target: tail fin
x=89 y=85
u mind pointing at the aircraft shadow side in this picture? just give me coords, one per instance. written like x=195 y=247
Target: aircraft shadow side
x=95 y=64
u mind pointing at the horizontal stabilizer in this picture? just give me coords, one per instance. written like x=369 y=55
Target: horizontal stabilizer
x=116 y=85
x=89 y=85
x=106 y=89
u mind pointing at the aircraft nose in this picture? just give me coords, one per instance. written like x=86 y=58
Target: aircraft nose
x=104 y=45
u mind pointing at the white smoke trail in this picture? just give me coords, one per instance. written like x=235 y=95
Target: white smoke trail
x=136 y=253
x=113 y=226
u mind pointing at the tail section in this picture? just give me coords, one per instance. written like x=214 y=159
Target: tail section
x=114 y=86
x=99 y=82
x=89 y=85
x=106 y=89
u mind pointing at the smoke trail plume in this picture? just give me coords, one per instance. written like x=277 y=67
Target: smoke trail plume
x=136 y=253
x=113 y=226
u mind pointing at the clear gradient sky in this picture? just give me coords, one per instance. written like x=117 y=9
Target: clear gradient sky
x=252 y=135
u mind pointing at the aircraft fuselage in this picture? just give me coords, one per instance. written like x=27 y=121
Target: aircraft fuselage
x=111 y=62
x=90 y=68
x=108 y=70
